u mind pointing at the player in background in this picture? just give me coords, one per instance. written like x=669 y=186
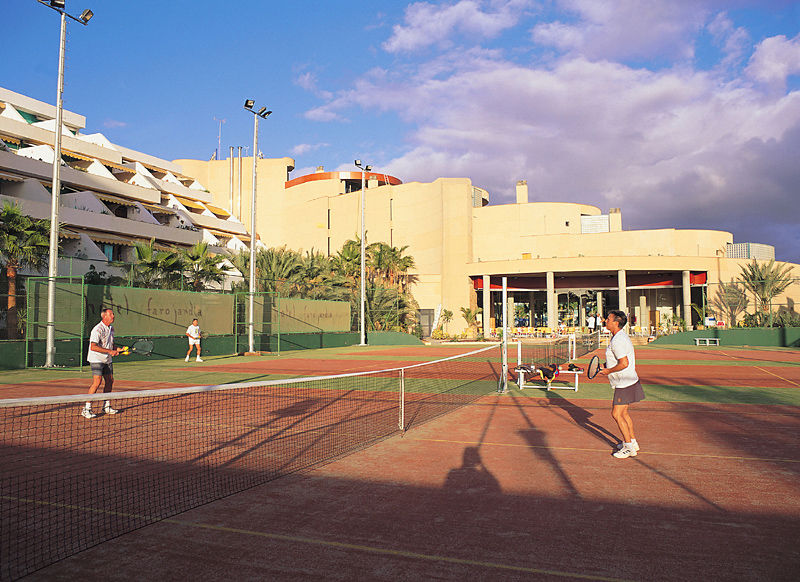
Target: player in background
x=193 y=333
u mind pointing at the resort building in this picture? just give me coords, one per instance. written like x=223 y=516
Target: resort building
x=111 y=196
x=562 y=261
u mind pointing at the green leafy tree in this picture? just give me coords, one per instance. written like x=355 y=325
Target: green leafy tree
x=730 y=300
x=24 y=243
x=154 y=267
x=202 y=267
x=444 y=318
x=277 y=270
x=766 y=281
x=471 y=317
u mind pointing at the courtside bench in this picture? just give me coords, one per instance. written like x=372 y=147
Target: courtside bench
x=522 y=370
x=706 y=341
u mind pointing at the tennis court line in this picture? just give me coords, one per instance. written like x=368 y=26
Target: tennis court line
x=703 y=456
x=328 y=543
x=776 y=375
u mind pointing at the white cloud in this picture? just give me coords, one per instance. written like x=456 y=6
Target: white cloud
x=308 y=81
x=114 y=124
x=304 y=148
x=671 y=147
x=428 y=24
x=775 y=59
x=734 y=41
x=622 y=29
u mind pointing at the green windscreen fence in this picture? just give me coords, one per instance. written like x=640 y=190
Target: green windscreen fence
x=265 y=309
x=69 y=320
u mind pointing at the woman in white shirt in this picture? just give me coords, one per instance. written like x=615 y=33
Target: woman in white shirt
x=621 y=371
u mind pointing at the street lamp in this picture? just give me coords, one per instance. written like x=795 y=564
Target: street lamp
x=263 y=114
x=52 y=267
x=364 y=170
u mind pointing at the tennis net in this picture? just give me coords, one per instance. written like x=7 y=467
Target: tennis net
x=68 y=483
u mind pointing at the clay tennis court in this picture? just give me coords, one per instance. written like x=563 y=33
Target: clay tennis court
x=518 y=486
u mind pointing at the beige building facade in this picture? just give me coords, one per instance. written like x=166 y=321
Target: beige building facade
x=562 y=261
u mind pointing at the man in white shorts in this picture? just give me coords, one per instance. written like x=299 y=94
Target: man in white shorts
x=101 y=350
x=193 y=333
x=621 y=371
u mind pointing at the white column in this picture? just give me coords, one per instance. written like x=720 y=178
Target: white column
x=687 y=300
x=581 y=311
x=552 y=302
x=487 y=306
x=644 y=315
x=622 y=286
x=599 y=305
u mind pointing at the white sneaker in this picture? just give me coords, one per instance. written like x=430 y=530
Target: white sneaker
x=625 y=452
x=87 y=413
x=199 y=359
x=187 y=359
x=635 y=446
x=109 y=410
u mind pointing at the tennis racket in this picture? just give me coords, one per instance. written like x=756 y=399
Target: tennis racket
x=593 y=368
x=203 y=334
x=143 y=347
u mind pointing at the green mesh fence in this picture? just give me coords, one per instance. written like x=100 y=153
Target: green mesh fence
x=69 y=323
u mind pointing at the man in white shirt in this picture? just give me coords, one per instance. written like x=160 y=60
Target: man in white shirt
x=591 y=322
x=193 y=333
x=621 y=371
x=101 y=350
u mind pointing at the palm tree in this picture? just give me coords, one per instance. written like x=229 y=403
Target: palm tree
x=276 y=270
x=155 y=267
x=444 y=318
x=202 y=267
x=766 y=281
x=471 y=317
x=315 y=277
x=730 y=299
x=24 y=243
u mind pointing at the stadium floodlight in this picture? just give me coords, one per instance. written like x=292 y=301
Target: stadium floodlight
x=262 y=113
x=55 y=195
x=364 y=169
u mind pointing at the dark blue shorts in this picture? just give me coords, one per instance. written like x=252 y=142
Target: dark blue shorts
x=102 y=369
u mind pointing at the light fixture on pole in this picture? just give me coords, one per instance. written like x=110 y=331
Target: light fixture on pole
x=364 y=169
x=52 y=266
x=263 y=114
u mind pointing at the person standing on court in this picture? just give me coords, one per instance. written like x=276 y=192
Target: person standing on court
x=591 y=322
x=193 y=333
x=621 y=371
x=101 y=350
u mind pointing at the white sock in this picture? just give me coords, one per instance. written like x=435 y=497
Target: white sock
x=88 y=406
x=633 y=441
x=108 y=404
x=629 y=445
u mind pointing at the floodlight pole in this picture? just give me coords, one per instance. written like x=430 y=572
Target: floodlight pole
x=52 y=266
x=364 y=169
x=263 y=113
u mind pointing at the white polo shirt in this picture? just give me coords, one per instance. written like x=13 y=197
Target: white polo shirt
x=619 y=346
x=103 y=336
x=193 y=331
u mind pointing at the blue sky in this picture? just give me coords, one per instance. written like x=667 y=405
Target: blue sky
x=684 y=113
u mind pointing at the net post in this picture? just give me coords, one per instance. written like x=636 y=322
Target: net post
x=504 y=341
x=519 y=352
x=402 y=419
x=572 y=347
